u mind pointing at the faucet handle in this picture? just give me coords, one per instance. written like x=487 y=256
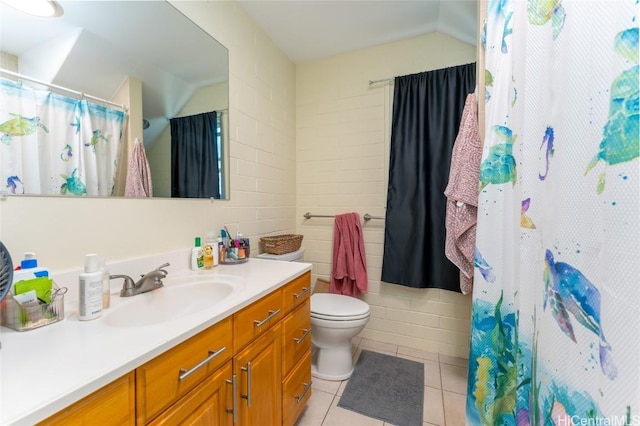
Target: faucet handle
x=128 y=287
x=161 y=268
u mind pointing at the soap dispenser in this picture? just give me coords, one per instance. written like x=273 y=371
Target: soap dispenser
x=90 y=299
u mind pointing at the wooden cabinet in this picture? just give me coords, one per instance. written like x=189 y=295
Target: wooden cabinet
x=114 y=404
x=277 y=356
x=251 y=368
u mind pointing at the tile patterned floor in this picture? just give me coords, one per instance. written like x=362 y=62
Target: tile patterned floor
x=445 y=382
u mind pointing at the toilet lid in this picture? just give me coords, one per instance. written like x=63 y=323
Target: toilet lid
x=327 y=305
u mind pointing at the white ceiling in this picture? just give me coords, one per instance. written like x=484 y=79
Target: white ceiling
x=307 y=30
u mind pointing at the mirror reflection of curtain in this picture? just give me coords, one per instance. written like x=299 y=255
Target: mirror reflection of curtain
x=195 y=169
x=427 y=108
x=53 y=144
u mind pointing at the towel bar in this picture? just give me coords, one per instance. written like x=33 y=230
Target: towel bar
x=367 y=217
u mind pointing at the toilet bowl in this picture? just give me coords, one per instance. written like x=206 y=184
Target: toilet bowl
x=335 y=320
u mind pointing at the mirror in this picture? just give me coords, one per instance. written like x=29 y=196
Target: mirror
x=97 y=47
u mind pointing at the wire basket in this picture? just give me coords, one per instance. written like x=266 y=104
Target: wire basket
x=281 y=244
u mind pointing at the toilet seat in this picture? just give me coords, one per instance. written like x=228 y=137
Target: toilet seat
x=338 y=307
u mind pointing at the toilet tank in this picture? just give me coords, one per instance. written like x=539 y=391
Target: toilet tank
x=295 y=256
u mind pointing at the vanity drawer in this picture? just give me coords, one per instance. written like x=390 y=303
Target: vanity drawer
x=167 y=377
x=296 y=336
x=296 y=390
x=256 y=318
x=296 y=292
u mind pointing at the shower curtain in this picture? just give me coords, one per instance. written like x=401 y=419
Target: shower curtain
x=195 y=163
x=52 y=144
x=555 y=324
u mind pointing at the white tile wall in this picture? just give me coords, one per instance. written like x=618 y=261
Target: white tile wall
x=342 y=144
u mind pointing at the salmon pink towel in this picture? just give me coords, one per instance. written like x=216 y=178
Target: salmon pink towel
x=349 y=274
x=462 y=195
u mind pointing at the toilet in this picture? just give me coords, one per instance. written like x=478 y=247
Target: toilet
x=335 y=320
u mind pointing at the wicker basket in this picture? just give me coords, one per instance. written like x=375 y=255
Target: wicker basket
x=281 y=244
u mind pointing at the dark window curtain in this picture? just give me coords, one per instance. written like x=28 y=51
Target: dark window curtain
x=194 y=156
x=427 y=108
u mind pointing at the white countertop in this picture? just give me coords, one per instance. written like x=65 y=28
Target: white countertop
x=47 y=369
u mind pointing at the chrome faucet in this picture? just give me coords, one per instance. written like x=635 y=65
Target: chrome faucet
x=148 y=282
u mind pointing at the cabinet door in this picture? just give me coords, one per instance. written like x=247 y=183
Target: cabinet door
x=258 y=369
x=208 y=404
x=113 y=404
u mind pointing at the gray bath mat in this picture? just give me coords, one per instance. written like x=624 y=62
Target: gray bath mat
x=386 y=388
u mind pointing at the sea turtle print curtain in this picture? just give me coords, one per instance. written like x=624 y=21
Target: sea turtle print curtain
x=52 y=144
x=555 y=325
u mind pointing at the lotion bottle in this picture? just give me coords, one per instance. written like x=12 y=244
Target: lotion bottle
x=90 y=300
x=197 y=259
x=209 y=245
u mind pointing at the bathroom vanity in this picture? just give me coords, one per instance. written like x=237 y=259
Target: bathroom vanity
x=245 y=360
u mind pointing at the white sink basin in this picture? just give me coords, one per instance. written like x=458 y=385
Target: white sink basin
x=179 y=297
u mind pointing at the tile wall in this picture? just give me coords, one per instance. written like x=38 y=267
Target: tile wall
x=342 y=129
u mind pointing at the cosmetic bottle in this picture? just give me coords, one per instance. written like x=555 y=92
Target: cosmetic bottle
x=208 y=249
x=90 y=300
x=240 y=252
x=222 y=250
x=215 y=245
x=197 y=258
x=106 y=284
x=29 y=269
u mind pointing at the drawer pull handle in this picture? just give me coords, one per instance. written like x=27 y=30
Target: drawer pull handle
x=302 y=293
x=301 y=338
x=234 y=386
x=184 y=373
x=248 y=395
x=271 y=315
x=300 y=397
